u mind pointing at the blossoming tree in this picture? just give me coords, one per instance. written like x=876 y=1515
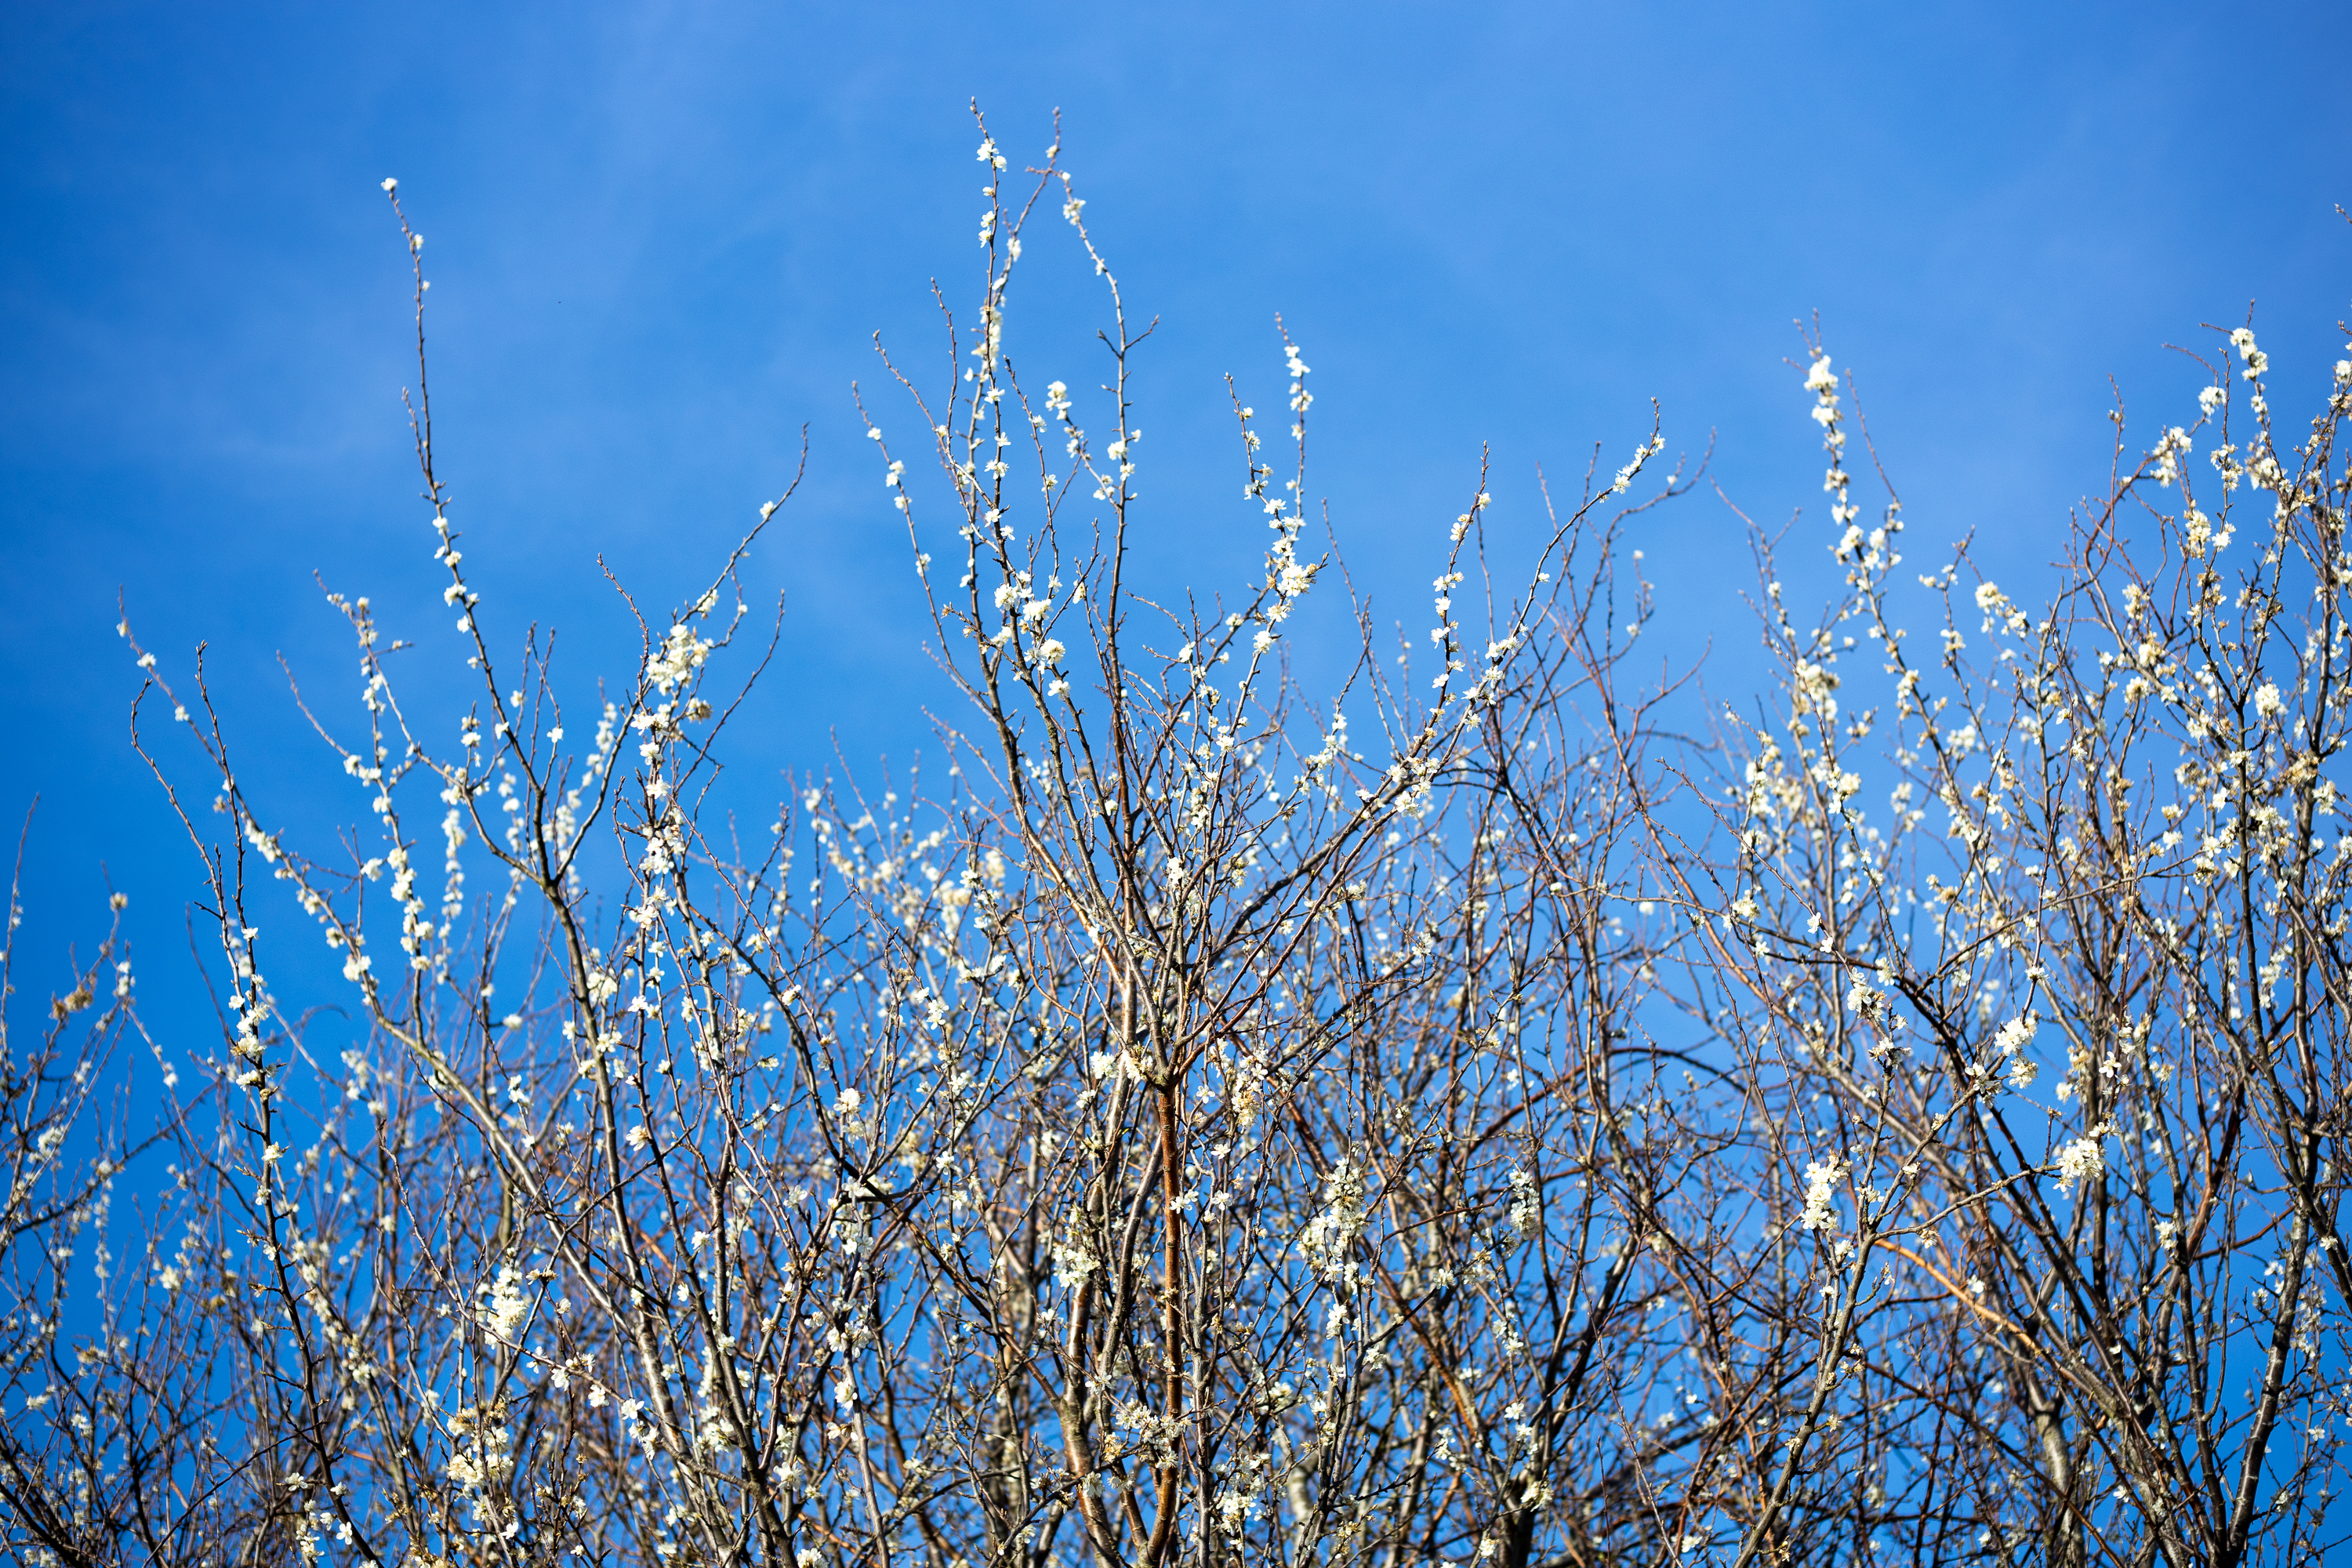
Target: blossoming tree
x=1469 y=1111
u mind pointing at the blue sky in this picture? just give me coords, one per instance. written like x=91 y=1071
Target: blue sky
x=662 y=238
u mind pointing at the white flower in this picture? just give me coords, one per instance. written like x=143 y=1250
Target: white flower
x=2268 y=702
x=1326 y=1238
x=1072 y=1262
x=1820 y=378
x=1821 y=1193
x=2084 y=1159
x=680 y=655
x=2257 y=361
x=509 y=1306
x=1527 y=1207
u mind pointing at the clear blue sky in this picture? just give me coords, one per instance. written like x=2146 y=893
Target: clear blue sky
x=661 y=236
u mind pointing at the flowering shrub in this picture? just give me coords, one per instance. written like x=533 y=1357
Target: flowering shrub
x=1505 y=1123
